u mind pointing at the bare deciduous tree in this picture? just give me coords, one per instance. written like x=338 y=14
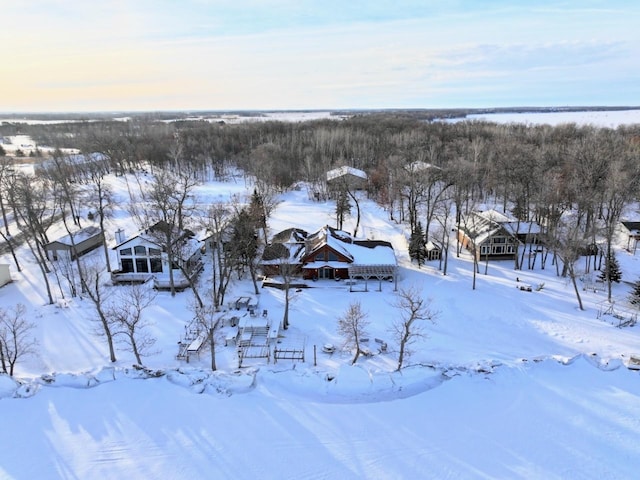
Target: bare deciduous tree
x=287 y=273
x=208 y=319
x=16 y=341
x=33 y=211
x=413 y=311
x=169 y=206
x=570 y=240
x=217 y=223
x=352 y=326
x=93 y=287
x=125 y=313
x=102 y=195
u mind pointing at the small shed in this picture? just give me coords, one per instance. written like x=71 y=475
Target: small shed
x=633 y=233
x=347 y=177
x=84 y=240
x=5 y=275
x=433 y=251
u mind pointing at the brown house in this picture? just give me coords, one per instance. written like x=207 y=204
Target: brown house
x=486 y=234
x=325 y=254
x=331 y=254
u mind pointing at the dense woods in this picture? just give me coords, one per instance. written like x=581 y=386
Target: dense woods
x=574 y=181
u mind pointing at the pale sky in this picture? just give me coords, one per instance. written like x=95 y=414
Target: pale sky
x=126 y=55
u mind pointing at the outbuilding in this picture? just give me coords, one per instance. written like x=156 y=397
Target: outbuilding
x=74 y=245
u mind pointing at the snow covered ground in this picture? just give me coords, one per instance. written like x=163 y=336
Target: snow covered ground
x=605 y=118
x=508 y=384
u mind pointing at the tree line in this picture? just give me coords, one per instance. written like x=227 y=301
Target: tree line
x=574 y=181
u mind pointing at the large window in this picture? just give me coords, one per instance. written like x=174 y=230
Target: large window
x=141 y=265
x=140 y=250
x=154 y=252
x=125 y=252
x=333 y=257
x=156 y=265
x=127 y=265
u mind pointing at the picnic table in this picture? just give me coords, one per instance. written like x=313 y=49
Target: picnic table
x=196 y=344
x=242 y=302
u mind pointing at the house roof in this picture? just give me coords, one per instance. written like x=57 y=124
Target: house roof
x=430 y=246
x=79 y=236
x=344 y=170
x=522 y=228
x=331 y=237
x=482 y=225
x=356 y=252
x=190 y=242
x=420 y=166
x=633 y=227
x=360 y=252
x=494 y=216
x=290 y=235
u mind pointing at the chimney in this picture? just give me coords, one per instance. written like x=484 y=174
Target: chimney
x=120 y=236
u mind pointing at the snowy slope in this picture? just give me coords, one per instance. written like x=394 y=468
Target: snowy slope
x=508 y=384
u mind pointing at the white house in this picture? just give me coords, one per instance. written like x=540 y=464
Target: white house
x=143 y=257
x=5 y=276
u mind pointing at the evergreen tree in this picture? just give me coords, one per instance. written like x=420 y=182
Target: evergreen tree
x=243 y=246
x=613 y=267
x=343 y=208
x=634 y=298
x=417 y=245
x=258 y=215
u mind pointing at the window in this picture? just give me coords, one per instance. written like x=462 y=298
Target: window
x=511 y=249
x=141 y=265
x=156 y=265
x=319 y=257
x=333 y=257
x=127 y=265
x=498 y=249
x=484 y=250
x=154 y=252
x=125 y=251
x=140 y=250
x=499 y=240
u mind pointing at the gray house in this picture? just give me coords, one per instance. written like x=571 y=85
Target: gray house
x=84 y=240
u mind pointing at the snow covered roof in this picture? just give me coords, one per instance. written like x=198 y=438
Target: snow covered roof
x=361 y=252
x=372 y=252
x=431 y=246
x=494 y=216
x=344 y=170
x=633 y=227
x=333 y=238
x=419 y=166
x=191 y=243
x=79 y=236
x=290 y=235
x=522 y=228
x=277 y=253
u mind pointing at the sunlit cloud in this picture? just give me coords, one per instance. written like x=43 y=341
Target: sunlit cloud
x=214 y=54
